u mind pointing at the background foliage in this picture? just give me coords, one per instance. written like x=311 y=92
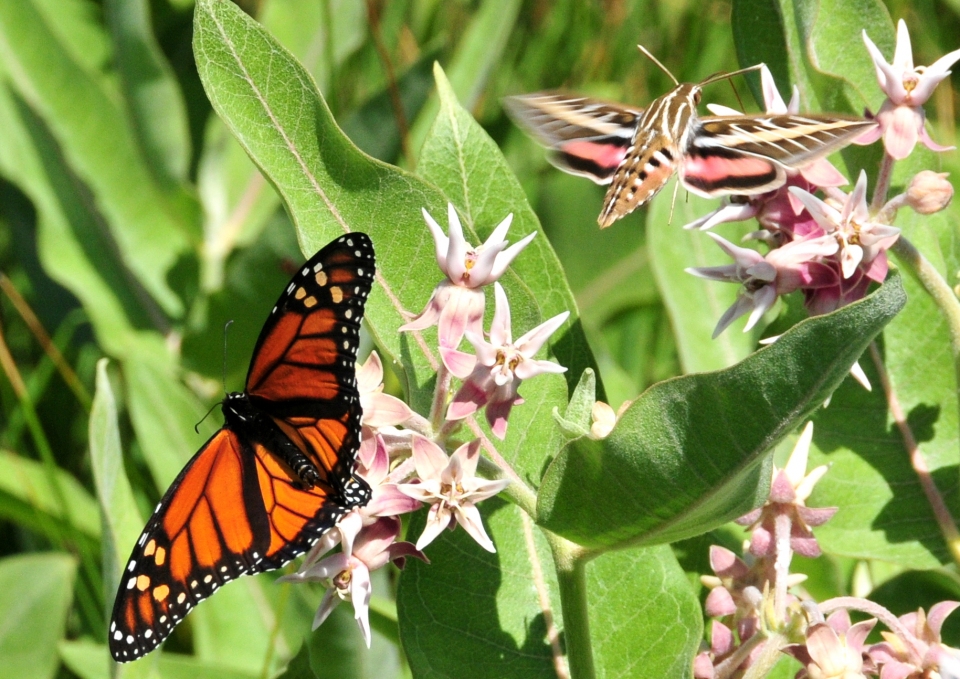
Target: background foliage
x=134 y=225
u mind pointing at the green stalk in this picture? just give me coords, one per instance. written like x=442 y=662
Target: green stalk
x=571 y=565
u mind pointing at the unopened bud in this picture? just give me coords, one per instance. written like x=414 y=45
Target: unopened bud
x=604 y=420
x=929 y=192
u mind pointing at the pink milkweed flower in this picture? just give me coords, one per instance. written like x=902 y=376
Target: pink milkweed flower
x=451 y=487
x=386 y=499
x=907 y=88
x=834 y=649
x=789 y=491
x=457 y=303
x=500 y=366
x=922 y=653
x=794 y=266
x=347 y=573
x=379 y=409
x=860 y=240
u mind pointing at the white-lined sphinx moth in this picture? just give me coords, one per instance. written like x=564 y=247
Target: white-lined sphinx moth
x=636 y=151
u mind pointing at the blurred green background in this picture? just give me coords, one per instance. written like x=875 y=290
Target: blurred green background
x=133 y=226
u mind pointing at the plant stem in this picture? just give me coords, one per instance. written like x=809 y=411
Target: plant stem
x=572 y=577
x=940 y=510
x=882 y=186
x=440 y=396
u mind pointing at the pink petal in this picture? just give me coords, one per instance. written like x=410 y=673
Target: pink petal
x=823 y=173
x=870 y=136
x=931 y=144
x=391 y=501
x=360 y=591
x=530 y=343
x=376 y=538
x=440 y=241
x=890 y=80
x=499 y=233
x=468 y=456
x=903 y=52
x=532 y=367
x=703 y=666
x=497 y=413
x=457 y=249
x=463 y=311
x=472 y=396
x=459 y=363
x=763 y=301
x=721 y=639
x=938 y=613
x=507 y=256
x=500 y=334
x=739 y=308
x=772 y=100
x=384 y=410
x=370 y=374
x=901 y=131
x=428 y=457
x=483 y=266
x=781 y=490
x=437 y=519
x=719 y=603
x=329 y=602
x=824 y=647
x=931 y=77
x=430 y=314
x=897 y=670
x=858 y=634
x=468 y=516
x=725 y=563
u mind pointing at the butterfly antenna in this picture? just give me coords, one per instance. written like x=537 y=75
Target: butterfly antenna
x=225 y=328
x=196 y=427
x=657 y=62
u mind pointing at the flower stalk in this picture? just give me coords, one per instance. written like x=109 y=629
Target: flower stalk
x=571 y=564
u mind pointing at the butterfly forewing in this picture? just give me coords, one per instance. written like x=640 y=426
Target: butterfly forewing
x=238 y=507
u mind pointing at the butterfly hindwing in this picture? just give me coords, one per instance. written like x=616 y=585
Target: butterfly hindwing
x=241 y=505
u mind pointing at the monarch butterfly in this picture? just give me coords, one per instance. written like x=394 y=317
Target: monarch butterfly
x=278 y=474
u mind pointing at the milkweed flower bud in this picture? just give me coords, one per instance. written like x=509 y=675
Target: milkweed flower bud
x=929 y=192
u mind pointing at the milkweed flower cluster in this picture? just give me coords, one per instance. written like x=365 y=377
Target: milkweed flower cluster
x=402 y=455
x=755 y=601
x=831 y=248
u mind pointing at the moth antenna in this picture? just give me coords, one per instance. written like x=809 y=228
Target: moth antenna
x=657 y=62
x=722 y=76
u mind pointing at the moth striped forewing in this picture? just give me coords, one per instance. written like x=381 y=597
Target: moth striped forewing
x=637 y=152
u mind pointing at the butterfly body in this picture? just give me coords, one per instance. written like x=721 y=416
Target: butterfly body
x=637 y=151
x=280 y=472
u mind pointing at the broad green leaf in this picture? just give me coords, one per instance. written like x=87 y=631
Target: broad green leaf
x=694 y=305
x=463 y=161
x=121 y=518
x=163 y=412
x=690 y=453
x=645 y=619
x=151 y=226
x=469 y=613
x=70 y=244
x=89 y=660
x=643 y=614
x=156 y=106
x=337 y=650
x=477 y=54
x=25 y=490
x=35 y=595
x=271 y=104
x=78 y=25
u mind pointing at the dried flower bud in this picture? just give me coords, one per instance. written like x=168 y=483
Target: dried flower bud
x=929 y=192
